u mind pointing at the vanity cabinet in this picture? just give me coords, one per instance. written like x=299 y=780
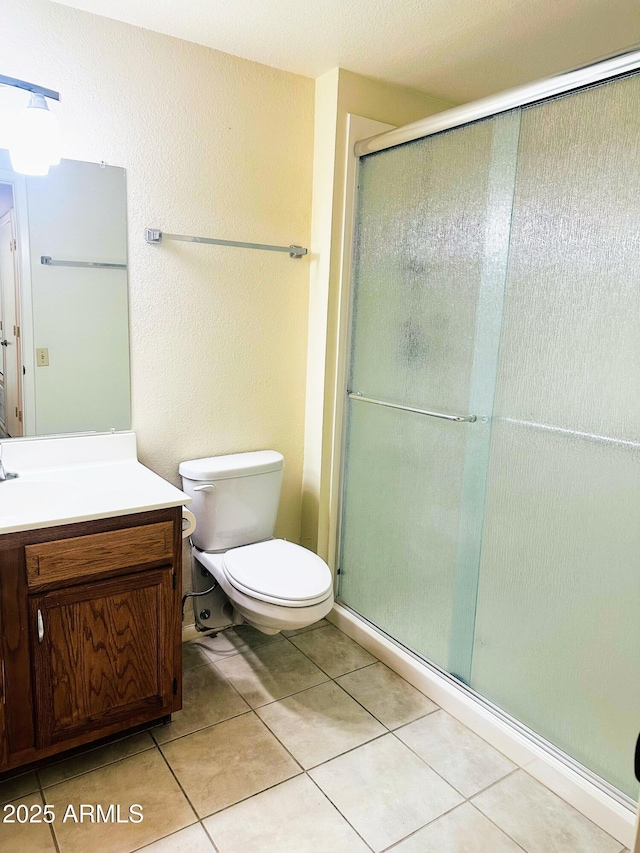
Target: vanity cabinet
x=91 y=616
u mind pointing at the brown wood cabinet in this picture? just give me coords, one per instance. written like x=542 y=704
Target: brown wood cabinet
x=91 y=631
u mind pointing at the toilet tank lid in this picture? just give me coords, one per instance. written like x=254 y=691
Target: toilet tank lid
x=233 y=465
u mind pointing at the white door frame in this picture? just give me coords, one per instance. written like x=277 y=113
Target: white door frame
x=23 y=260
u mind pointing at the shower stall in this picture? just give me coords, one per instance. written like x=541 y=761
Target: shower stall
x=490 y=496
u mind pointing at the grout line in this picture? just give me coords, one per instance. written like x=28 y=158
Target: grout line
x=162 y=755
x=369 y=711
x=236 y=652
x=497 y=782
x=553 y=793
x=288 y=751
x=51 y=825
x=162 y=838
x=98 y=766
x=497 y=825
x=316 y=664
x=252 y=796
x=444 y=778
x=162 y=743
x=424 y=826
x=331 y=803
x=210 y=837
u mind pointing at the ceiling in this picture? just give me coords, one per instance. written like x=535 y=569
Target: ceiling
x=457 y=50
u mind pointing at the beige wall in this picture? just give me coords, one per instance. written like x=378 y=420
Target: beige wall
x=230 y=350
x=213 y=145
x=338 y=93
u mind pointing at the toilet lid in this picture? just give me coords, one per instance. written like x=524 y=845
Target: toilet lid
x=279 y=571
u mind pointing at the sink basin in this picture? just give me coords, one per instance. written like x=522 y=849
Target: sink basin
x=27 y=496
x=68 y=479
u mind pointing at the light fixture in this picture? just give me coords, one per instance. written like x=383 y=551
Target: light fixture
x=35 y=143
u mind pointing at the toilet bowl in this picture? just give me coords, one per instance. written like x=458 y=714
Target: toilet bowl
x=270 y=583
x=275 y=585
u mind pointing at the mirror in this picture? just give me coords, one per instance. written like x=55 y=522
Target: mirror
x=64 y=331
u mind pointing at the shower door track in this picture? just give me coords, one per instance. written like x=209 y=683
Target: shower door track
x=542 y=90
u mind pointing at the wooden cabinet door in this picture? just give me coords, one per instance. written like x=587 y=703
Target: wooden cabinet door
x=102 y=652
x=4 y=738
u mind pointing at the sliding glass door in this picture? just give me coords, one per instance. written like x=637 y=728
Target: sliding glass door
x=558 y=620
x=496 y=280
x=430 y=265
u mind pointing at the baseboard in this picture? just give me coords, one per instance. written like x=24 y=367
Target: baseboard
x=594 y=803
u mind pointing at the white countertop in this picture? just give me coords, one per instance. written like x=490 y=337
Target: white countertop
x=68 y=479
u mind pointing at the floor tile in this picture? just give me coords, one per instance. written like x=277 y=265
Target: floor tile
x=320 y=723
x=19 y=786
x=234 y=641
x=384 y=790
x=26 y=837
x=193 y=839
x=143 y=779
x=271 y=672
x=193 y=655
x=466 y=761
x=463 y=830
x=292 y=818
x=207 y=698
x=226 y=763
x=385 y=695
x=332 y=650
x=320 y=624
x=93 y=758
x=539 y=820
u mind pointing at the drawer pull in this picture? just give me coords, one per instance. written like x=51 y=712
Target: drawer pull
x=40 y=627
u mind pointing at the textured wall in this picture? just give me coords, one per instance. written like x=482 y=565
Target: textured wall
x=213 y=145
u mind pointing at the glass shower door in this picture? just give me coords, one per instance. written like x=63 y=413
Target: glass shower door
x=558 y=622
x=429 y=269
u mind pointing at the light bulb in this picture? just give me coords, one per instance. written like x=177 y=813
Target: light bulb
x=36 y=139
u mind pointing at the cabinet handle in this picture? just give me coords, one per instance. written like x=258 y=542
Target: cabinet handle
x=40 y=627
x=4 y=683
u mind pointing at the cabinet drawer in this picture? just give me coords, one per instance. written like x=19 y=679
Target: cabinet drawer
x=98 y=553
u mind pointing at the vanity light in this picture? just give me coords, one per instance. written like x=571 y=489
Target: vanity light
x=36 y=143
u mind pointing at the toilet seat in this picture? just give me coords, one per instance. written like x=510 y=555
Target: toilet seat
x=278 y=572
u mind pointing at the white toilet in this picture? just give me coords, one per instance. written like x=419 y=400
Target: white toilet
x=272 y=584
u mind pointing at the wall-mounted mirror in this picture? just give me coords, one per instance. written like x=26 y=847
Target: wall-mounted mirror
x=64 y=345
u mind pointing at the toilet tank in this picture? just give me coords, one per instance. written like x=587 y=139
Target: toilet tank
x=235 y=498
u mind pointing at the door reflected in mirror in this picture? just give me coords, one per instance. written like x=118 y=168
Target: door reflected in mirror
x=64 y=330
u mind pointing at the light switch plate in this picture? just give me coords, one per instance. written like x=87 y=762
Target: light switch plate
x=42 y=357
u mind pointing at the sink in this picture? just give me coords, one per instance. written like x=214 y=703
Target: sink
x=27 y=496
x=74 y=478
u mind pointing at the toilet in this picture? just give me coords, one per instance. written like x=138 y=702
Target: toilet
x=240 y=572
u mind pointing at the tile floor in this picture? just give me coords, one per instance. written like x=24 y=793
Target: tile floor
x=302 y=743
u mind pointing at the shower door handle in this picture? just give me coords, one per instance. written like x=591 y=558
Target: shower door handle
x=470 y=419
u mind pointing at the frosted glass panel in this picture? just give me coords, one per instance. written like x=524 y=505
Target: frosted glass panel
x=429 y=270
x=557 y=630
x=570 y=350
x=558 y=633
x=420 y=247
x=400 y=523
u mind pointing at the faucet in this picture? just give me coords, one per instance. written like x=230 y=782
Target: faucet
x=5 y=475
